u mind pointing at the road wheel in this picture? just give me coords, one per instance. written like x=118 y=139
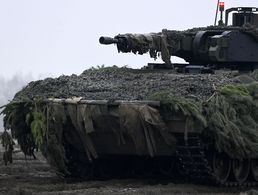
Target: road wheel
x=241 y=169
x=221 y=165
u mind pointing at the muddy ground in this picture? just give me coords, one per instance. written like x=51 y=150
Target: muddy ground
x=36 y=177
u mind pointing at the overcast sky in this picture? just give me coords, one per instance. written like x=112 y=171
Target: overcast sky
x=54 y=37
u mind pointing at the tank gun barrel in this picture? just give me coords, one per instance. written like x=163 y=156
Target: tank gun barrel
x=108 y=40
x=152 y=43
x=122 y=42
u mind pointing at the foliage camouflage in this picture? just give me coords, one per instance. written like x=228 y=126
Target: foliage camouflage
x=15 y=119
x=32 y=129
x=229 y=118
x=190 y=109
x=232 y=117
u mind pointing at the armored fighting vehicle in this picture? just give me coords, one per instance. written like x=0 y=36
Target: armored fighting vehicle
x=102 y=134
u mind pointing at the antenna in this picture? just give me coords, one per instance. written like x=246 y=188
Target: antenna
x=217 y=10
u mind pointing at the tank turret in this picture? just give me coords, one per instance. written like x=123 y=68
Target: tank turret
x=233 y=47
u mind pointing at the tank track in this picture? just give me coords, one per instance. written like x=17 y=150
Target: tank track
x=194 y=163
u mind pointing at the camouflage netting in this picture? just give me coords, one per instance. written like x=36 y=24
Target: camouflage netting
x=222 y=106
x=125 y=84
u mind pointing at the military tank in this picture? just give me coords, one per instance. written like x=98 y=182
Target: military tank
x=164 y=126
